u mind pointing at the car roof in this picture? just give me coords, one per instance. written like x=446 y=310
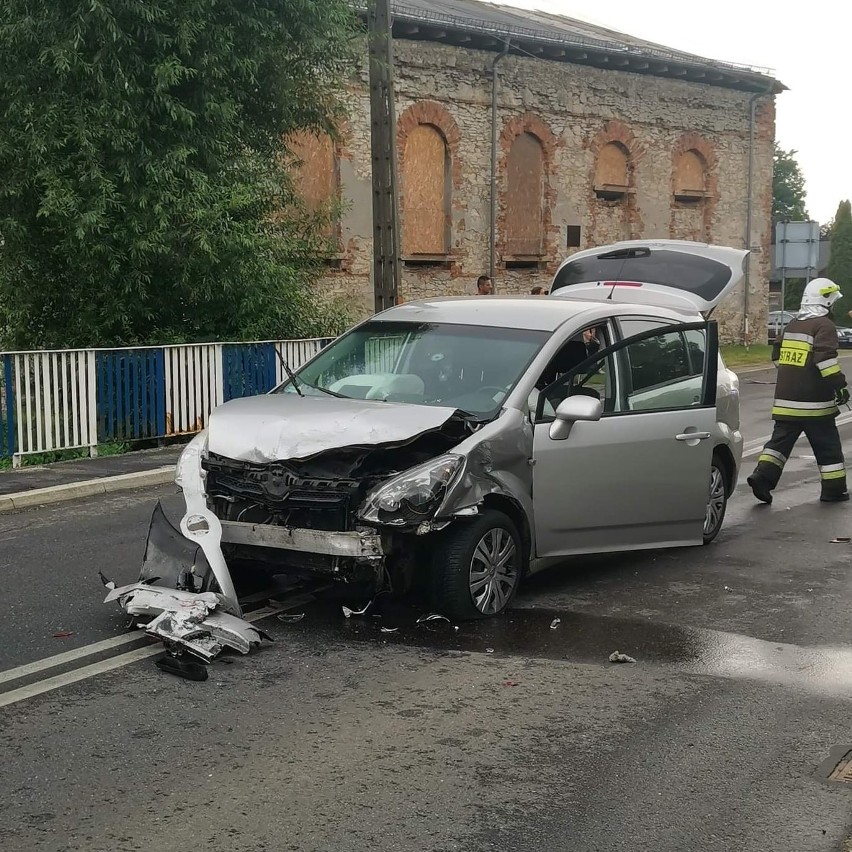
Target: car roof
x=541 y=313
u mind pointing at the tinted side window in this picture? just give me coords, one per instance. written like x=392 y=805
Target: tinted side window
x=632 y=326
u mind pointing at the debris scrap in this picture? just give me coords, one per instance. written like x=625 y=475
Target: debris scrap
x=289 y=618
x=555 y=623
x=840 y=540
x=390 y=630
x=350 y=612
x=618 y=657
x=63 y=634
x=432 y=617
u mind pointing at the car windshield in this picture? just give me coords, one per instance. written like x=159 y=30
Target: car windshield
x=470 y=368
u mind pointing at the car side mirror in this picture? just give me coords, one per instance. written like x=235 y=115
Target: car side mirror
x=571 y=411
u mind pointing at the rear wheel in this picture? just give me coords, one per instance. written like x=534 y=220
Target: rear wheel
x=717 y=500
x=477 y=567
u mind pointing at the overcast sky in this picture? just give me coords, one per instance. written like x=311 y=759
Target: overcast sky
x=807 y=46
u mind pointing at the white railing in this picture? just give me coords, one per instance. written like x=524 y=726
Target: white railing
x=78 y=398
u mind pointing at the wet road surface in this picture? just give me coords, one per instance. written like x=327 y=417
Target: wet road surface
x=515 y=733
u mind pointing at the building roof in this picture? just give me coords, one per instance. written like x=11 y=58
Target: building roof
x=489 y=26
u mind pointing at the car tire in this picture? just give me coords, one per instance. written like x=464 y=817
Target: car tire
x=717 y=500
x=477 y=567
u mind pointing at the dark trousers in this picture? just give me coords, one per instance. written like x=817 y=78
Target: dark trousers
x=825 y=442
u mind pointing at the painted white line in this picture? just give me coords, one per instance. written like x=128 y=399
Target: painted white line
x=69 y=656
x=58 y=681
x=754 y=446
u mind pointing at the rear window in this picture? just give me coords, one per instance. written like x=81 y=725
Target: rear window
x=699 y=275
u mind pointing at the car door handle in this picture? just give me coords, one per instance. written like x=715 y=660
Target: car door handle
x=693 y=436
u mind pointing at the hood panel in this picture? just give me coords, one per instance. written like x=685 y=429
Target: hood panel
x=666 y=273
x=283 y=426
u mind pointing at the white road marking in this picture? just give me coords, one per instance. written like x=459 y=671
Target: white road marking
x=57 y=681
x=69 y=656
x=753 y=447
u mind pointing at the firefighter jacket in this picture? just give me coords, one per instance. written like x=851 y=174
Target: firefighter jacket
x=808 y=371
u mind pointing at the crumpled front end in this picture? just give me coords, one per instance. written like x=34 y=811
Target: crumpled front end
x=185 y=586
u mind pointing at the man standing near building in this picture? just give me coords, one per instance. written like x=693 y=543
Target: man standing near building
x=484 y=286
x=809 y=388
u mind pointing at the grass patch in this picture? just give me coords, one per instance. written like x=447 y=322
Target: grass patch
x=747 y=356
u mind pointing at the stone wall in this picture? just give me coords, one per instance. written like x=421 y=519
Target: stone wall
x=575 y=111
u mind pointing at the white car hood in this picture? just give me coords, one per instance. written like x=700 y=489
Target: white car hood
x=282 y=426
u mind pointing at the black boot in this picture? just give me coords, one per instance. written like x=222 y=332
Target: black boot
x=834 y=498
x=760 y=488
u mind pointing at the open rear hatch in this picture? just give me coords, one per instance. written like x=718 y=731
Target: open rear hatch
x=666 y=273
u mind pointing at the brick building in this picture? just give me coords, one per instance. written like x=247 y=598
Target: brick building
x=599 y=137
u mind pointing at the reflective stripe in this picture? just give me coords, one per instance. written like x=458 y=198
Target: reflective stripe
x=775 y=455
x=829 y=362
x=765 y=457
x=827 y=291
x=793 y=403
x=830 y=371
x=827 y=468
x=798 y=345
x=804 y=412
x=792 y=335
x=834 y=474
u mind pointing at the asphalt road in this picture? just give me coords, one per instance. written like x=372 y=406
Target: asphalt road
x=506 y=735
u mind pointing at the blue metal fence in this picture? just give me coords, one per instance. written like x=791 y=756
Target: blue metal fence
x=7 y=408
x=248 y=370
x=130 y=402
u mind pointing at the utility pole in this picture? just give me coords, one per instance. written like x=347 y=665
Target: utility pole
x=386 y=247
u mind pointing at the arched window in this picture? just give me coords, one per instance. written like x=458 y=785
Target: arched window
x=612 y=173
x=525 y=198
x=690 y=177
x=426 y=191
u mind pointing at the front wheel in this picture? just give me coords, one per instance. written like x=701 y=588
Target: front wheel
x=717 y=501
x=477 y=567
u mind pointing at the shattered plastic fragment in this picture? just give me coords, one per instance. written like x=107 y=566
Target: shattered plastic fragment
x=432 y=617
x=618 y=657
x=555 y=623
x=350 y=612
x=63 y=634
x=489 y=650
x=291 y=618
x=390 y=630
x=840 y=540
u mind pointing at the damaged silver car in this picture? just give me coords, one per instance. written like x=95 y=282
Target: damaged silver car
x=451 y=446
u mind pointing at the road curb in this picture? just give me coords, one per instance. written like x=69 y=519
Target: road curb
x=87 y=488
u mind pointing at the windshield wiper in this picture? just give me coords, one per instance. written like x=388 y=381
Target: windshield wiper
x=290 y=374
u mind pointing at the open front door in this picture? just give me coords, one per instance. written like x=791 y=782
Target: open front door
x=639 y=476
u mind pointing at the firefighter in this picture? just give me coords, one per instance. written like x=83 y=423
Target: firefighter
x=809 y=389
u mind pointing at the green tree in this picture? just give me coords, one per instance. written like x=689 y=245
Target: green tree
x=788 y=188
x=840 y=262
x=142 y=195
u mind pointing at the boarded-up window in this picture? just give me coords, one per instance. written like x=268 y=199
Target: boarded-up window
x=525 y=197
x=316 y=173
x=612 y=171
x=426 y=203
x=690 y=175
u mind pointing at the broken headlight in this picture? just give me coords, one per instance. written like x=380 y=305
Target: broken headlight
x=189 y=463
x=413 y=496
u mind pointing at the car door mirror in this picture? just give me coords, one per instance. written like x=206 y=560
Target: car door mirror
x=571 y=411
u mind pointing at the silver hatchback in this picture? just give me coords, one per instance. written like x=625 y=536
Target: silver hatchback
x=452 y=446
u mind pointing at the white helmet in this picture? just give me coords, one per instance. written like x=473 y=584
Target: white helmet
x=821 y=292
